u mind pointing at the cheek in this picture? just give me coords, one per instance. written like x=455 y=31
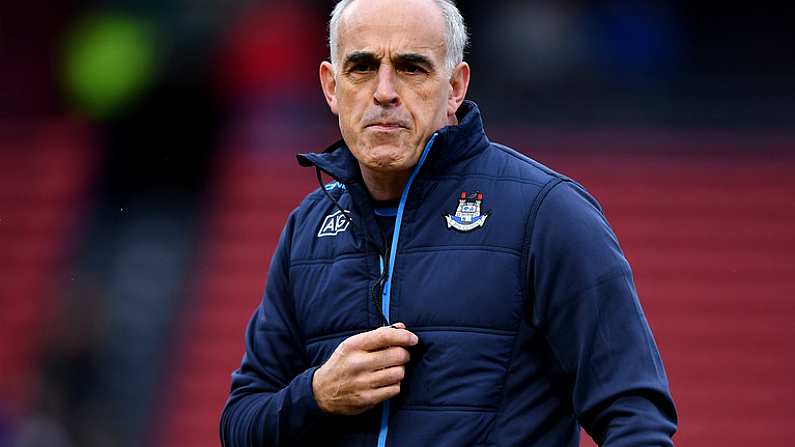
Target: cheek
x=351 y=111
x=347 y=111
x=431 y=106
x=348 y=130
x=424 y=95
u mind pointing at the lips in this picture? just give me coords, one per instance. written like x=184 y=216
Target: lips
x=384 y=128
x=387 y=125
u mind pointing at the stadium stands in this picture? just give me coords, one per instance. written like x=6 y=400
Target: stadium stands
x=43 y=186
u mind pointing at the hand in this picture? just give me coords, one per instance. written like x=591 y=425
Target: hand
x=364 y=370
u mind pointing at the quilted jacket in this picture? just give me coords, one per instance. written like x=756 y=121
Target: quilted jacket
x=524 y=304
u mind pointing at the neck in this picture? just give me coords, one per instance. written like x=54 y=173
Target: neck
x=384 y=186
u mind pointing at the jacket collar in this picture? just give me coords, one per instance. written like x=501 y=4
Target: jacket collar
x=453 y=145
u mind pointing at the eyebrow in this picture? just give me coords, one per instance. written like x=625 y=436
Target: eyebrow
x=358 y=57
x=368 y=57
x=414 y=58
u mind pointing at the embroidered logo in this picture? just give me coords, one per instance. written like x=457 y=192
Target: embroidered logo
x=467 y=215
x=334 y=223
x=334 y=185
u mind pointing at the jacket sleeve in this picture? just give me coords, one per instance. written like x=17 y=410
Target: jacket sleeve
x=271 y=401
x=586 y=306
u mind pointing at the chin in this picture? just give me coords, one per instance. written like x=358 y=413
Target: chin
x=388 y=158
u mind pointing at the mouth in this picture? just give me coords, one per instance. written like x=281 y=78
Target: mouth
x=386 y=126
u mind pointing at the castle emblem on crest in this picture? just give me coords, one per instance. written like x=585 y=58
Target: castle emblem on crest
x=467 y=215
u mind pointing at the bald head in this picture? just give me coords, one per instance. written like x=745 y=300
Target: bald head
x=441 y=15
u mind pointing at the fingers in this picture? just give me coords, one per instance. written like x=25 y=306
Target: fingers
x=364 y=370
x=364 y=362
x=383 y=337
x=387 y=377
x=378 y=395
x=385 y=358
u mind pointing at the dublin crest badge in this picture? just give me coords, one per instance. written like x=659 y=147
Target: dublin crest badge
x=468 y=215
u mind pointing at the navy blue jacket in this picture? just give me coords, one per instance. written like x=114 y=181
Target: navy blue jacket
x=528 y=319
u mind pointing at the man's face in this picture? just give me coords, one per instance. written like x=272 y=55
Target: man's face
x=390 y=89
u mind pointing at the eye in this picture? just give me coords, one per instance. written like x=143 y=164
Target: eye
x=361 y=68
x=412 y=69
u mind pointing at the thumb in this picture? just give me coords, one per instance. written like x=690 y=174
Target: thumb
x=398 y=326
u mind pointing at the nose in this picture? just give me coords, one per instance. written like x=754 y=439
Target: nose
x=385 y=91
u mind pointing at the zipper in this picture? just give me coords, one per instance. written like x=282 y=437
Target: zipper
x=382 y=432
x=389 y=268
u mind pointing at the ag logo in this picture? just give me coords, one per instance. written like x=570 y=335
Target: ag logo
x=334 y=223
x=467 y=215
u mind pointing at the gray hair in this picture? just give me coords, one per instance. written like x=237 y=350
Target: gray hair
x=456 y=38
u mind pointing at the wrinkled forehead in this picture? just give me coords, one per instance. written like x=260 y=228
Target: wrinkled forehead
x=381 y=26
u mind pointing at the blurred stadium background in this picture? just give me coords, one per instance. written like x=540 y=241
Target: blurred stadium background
x=147 y=166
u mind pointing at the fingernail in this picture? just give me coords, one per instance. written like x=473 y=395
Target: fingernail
x=415 y=339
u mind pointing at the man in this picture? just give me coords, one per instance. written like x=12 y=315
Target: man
x=444 y=290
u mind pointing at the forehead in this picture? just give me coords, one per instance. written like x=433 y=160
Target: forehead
x=392 y=25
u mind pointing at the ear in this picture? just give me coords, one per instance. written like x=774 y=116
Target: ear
x=329 y=85
x=459 y=83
